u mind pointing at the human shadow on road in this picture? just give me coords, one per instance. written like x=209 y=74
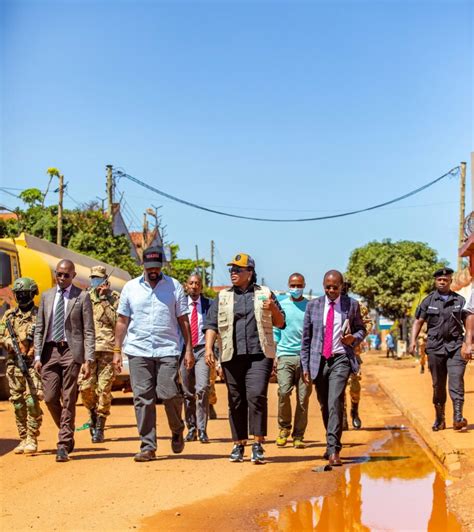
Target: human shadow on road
x=186 y=456
x=7 y=445
x=93 y=456
x=122 y=426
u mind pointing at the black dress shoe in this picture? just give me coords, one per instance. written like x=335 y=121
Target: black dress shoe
x=203 y=437
x=145 y=456
x=326 y=455
x=177 y=442
x=61 y=455
x=191 y=435
x=334 y=459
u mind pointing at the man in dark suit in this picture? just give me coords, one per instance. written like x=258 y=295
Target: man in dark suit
x=196 y=381
x=64 y=341
x=333 y=326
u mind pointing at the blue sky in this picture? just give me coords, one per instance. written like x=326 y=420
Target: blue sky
x=273 y=109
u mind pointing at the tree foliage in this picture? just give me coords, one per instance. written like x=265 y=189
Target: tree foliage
x=390 y=275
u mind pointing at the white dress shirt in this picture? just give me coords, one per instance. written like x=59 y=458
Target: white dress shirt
x=337 y=345
x=67 y=296
x=201 y=339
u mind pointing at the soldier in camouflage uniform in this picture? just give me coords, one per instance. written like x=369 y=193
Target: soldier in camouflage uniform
x=421 y=344
x=28 y=413
x=355 y=378
x=96 y=391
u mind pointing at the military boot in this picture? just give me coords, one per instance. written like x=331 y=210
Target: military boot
x=345 y=424
x=31 y=445
x=20 y=448
x=459 y=422
x=98 y=436
x=439 y=422
x=356 y=421
x=92 y=423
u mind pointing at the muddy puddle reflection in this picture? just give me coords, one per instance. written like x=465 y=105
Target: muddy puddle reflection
x=394 y=487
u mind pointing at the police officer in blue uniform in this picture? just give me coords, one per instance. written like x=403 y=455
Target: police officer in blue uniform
x=442 y=310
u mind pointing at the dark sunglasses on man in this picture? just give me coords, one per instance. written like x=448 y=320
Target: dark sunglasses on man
x=61 y=274
x=238 y=269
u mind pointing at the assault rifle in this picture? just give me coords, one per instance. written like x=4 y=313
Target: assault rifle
x=21 y=362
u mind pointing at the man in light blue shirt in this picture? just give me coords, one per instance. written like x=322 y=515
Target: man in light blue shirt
x=288 y=365
x=153 y=308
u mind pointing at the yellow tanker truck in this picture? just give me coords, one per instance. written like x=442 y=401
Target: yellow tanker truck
x=29 y=256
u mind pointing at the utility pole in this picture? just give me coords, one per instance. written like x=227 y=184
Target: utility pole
x=462 y=215
x=110 y=190
x=59 y=238
x=145 y=231
x=212 y=263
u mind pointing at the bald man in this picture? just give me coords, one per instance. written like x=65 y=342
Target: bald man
x=64 y=344
x=333 y=327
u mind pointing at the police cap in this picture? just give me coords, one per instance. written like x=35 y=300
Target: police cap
x=443 y=272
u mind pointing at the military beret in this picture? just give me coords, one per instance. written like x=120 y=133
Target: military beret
x=443 y=271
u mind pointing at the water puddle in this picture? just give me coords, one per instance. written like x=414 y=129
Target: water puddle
x=394 y=487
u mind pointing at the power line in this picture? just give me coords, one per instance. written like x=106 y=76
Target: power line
x=453 y=172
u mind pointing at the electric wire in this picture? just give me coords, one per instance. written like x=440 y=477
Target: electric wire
x=453 y=172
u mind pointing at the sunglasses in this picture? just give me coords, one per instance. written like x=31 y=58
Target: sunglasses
x=61 y=274
x=237 y=269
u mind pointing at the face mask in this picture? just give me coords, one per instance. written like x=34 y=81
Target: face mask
x=295 y=293
x=23 y=299
x=97 y=281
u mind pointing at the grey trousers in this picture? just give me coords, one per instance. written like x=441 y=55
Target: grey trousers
x=151 y=378
x=290 y=376
x=196 y=388
x=330 y=387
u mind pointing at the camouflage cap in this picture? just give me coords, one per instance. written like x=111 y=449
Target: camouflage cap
x=98 y=271
x=25 y=284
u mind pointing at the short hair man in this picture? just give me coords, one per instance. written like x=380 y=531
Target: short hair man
x=442 y=310
x=64 y=341
x=333 y=326
x=288 y=365
x=152 y=310
x=196 y=380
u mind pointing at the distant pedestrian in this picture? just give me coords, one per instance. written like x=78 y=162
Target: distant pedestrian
x=288 y=365
x=244 y=316
x=333 y=326
x=195 y=381
x=152 y=309
x=442 y=310
x=26 y=389
x=96 y=391
x=390 y=342
x=64 y=342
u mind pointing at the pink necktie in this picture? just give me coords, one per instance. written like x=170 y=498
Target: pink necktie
x=329 y=331
x=194 y=325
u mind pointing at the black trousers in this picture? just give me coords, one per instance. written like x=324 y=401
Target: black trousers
x=330 y=386
x=247 y=377
x=447 y=367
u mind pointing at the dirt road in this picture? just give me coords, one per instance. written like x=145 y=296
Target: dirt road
x=101 y=488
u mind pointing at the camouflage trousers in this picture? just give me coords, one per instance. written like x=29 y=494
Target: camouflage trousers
x=422 y=353
x=96 y=391
x=28 y=413
x=354 y=386
x=212 y=388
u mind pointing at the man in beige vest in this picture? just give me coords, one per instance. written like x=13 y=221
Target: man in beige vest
x=244 y=316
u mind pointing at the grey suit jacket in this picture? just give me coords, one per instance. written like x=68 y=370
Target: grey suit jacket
x=79 y=324
x=313 y=333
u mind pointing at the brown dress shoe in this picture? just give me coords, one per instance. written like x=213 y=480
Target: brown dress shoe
x=334 y=459
x=145 y=456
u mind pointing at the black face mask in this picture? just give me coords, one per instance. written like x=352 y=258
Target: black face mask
x=24 y=300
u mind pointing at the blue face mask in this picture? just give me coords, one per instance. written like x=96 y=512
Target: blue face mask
x=295 y=293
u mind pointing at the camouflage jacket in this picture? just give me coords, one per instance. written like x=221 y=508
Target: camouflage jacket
x=105 y=318
x=24 y=326
x=365 y=314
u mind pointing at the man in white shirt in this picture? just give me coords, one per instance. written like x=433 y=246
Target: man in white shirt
x=196 y=381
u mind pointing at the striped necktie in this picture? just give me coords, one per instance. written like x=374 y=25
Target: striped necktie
x=58 y=324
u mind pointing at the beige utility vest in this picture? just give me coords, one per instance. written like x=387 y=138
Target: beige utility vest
x=225 y=322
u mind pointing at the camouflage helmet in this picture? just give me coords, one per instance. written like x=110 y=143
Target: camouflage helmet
x=26 y=284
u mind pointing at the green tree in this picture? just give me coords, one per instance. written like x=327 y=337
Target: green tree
x=32 y=196
x=390 y=275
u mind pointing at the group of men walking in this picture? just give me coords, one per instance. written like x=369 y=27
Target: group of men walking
x=171 y=336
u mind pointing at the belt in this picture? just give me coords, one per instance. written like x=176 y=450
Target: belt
x=57 y=344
